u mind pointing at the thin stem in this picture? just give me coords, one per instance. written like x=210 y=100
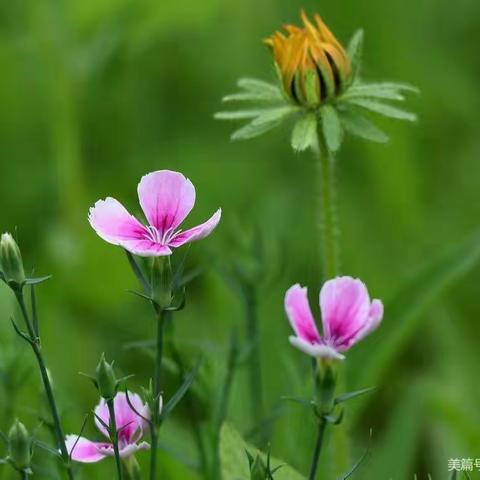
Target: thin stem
x=132 y=469
x=192 y=411
x=223 y=402
x=114 y=438
x=254 y=359
x=318 y=448
x=328 y=212
x=23 y=474
x=57 y=426
x=157 y=378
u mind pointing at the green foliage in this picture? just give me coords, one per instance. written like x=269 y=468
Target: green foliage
x=332 y=127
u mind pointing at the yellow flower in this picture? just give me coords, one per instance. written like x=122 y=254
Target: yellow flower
x=312 y=64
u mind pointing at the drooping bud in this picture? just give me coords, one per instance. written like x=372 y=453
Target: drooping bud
x=19 y=445
x=161 y=275
x=11 y=263
x=312 y=65
x=105 y=379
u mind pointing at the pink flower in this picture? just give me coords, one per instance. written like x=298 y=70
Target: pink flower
x=348 y=315
x=130 y=428
x=166 y=199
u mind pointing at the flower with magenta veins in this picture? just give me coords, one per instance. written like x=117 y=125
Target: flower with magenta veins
x=130 y=427
x=166 y=198
x=348 y=316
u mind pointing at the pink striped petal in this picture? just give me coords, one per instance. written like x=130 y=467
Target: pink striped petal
x=112 y=222
x=166 y=198
x=83 y=450
x=133 y=448
x=198 y=232
x=374 y=319
x=300 y=315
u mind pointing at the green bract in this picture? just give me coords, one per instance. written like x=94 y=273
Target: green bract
x=346 y=113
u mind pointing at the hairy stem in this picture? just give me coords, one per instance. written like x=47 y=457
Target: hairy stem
x=114 y=438
x=329 y=230
x=36 y=347
x=318 y=448
x=157 y=379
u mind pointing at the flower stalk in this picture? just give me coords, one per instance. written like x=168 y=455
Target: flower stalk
x=33 y=339
x=114 y=438
x=328 y=221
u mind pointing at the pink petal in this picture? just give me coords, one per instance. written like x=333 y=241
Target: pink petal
x=112 y=222
x=300 y=315
x=127 y=421
x=198 y=232
x=317 y=350
x=83 y=450
x=133 y=448
x=374 y=319
x=166 y=198
x=345 y=306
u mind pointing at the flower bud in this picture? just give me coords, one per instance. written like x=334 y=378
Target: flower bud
x=312 y=65
x=105 y=379
x=11 y=263
x=19 y=446
x=258 y=469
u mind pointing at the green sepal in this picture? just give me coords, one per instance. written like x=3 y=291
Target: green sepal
x=354 y=52
x=358 y=125
x=349 y=395
x=311 y=86
x=332 y=127
x=383 y=109
x=260 y=87
x=304 y=132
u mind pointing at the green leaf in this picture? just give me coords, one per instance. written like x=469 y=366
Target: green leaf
x=403 y=310
x=260 y=87
x=274 y=114
x=354 y=51
x=361 y=127
x=349 y=395
x=383 y=109
x=332 y=128
x=180 y=392
x=234 y=463
x=304 y=132
x=238 y=114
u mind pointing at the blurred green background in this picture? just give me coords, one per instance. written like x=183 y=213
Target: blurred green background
x=95 y=93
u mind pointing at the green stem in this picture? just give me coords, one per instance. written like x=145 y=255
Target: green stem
x=157 y=378
x=192 y=411
x=23 y=474
x=328 y=216
x=57 y=426
x=318 y=448
x=114 y=438
x=222 y=407
x=254 y=359
x=132 y=469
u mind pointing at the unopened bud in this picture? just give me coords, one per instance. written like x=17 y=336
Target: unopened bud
x=19 y=446
x=258 y=469
x=11 y=261
x=106 y=380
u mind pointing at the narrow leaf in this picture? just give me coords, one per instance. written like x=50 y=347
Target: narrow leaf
x=332 y=128
x=361 y=127
x=252 y=130
x=304 y=131
x=251 y=97
x=172 y=403
x=383 y=109
x=381 y=93
x=349 y=395
x=397 y=86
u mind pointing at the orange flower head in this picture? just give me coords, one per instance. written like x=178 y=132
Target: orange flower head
x=312 y=64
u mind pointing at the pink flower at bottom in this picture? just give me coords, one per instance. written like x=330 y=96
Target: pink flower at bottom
x=130 y=427
x=348 y=316
x=166 y=199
